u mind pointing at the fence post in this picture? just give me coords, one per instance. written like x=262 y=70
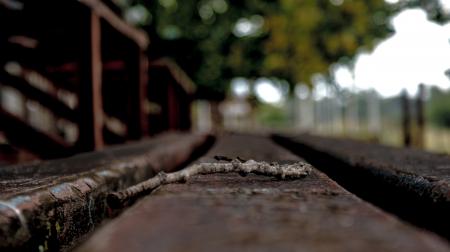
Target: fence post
x=420 y=116
x=406 y=119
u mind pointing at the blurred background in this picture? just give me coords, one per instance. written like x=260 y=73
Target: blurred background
x=375 y=70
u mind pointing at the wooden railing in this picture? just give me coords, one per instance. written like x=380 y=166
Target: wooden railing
x=82 y=72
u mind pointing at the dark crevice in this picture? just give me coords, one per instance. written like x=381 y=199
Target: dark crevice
x=387 y=191
x=198 y=152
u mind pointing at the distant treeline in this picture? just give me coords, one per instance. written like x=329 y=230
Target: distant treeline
x=438 y=107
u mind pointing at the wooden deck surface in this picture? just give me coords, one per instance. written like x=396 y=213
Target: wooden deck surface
x=227 y=212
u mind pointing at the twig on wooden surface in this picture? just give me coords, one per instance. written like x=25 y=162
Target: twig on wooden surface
x=283 y=171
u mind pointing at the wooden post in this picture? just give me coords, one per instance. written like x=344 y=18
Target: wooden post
x=406 y=119
x=420 y=116
x=90 y=94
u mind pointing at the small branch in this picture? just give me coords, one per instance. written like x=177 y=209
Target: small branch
x=288 y=171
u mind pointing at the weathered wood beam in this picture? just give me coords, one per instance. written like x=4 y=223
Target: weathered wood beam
x=53 y=205
x=411 y=183
x=229 y=212
x=102 y=11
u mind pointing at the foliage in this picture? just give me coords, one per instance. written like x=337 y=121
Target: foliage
x=432 y=7
x=291 y=39
x=438 y=108
x=307 y=36
x=272 y=116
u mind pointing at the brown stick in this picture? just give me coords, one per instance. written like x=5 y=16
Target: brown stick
x=288 y=171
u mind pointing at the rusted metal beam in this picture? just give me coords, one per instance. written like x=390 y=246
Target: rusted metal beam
x=228 y=212
x=52 y=205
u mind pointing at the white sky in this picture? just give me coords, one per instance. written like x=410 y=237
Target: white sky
x=418 y=52
x=240 y=87
x=267 y=91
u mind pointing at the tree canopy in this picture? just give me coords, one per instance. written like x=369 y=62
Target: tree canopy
x=216 y=40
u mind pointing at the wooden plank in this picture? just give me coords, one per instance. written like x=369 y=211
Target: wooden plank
x=102 y=11
x=227 y=212
x=411 y=183
x=60 y=201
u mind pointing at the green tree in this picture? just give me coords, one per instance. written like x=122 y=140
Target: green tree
x=215 y=40
x=438 y=107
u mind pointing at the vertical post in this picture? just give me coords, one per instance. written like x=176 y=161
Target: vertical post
x=406 y=118
x=420 y=116
x=90 y=93
x=138 y=78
